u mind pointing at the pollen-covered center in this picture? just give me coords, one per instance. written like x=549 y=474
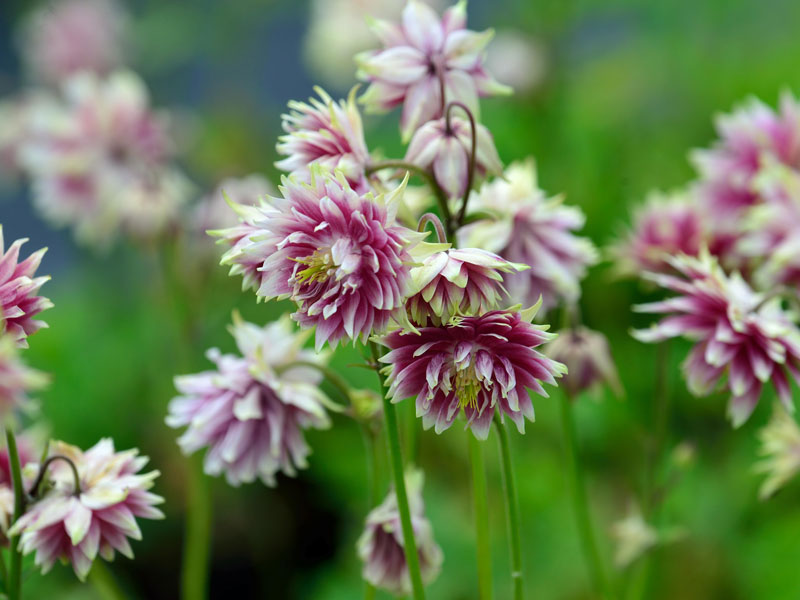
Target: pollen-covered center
x=318 y=267
x=467 y=386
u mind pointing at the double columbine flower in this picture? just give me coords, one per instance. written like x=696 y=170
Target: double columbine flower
x=422 y=56
x=739 y=333
x=251 y=412
x=338 y=254
x=19 y=303
x=484 y=365
x=381 y=545
x=75 y=525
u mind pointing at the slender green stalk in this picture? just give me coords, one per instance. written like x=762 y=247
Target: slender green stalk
x=3 y=573
x=512 y=510
x=483 y=549
x=15 y=573
x=197 y=541
x=581 y=504
x=396 y=458
x=104 y=583
x=372 y=488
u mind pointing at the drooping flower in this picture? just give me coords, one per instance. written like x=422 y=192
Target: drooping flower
x=780 y=449
x=740 y=334
x=381 y=546
x=65 y=37
x=587 y=356
x=77 y=525
x=667 y=224
x=531 y=229
x=19 y=303
x=446 y=150
x=327 y=133
x=251 y=411
x=99 y=161
x=214 y=211
x=338 y=254
x=454 y=282
x=17 y=379
x=483 y=365
x=423 y=55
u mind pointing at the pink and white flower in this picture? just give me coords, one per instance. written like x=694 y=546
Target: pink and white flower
x=99 y=518
x=381 y=546
x=741 y=336
x=484 y=365
x=251 y=411
x=19 y=302
x=423 y=56
x=528 y=228
x=445 y=149
x=338 y=254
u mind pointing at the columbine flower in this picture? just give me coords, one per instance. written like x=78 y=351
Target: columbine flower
x=19 y=303
x=327 y=133
x=780 y=449
x=739 y=333
x=214 y=212
x=587 y=357
x=667 y=224
x=17 y=380
x=339 y=255
x=99 y=161
x=421 y=55
x=446 y=150
x=251 y=412
x=77 y=525
x=68 y=36
x=381 y=546
x=484 y=364
x=530 y=229
x=457 y=282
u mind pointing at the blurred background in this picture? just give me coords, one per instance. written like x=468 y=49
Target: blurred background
x=611 y=96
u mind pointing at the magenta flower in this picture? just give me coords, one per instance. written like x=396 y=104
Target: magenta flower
x=69 y=36
x=667 y=224
x=422 y=55
x=17 y=379
x=99 y=518
x=19 y=303
x=739 y=333
x=251 y=411
x=587 y=356
x=339 y=255
x=446 y=151
x=528 y=228
x=327 y=133
x=457 y=282
x=484 y=364
x=381 y=546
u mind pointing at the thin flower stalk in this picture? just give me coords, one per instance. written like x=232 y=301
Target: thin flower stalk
x=512 y=510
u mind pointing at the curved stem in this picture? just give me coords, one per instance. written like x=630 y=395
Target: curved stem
x=484 y=551
x=581 y=504
x=196 y=548
x=15 y=572
x=431 y=218
x=512 y=510
x=76 y=490
x=396 y=456
x=472 y=155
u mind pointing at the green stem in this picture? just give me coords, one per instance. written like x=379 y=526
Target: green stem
x=3 y=573
x=372 y=487
x=512 y=510
x=104 y=583
x=484 y=551
x=196 y=549
x=581 y=503
x=396 y=456
x=15 y=573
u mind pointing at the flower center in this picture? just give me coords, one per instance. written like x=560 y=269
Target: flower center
x=319 y=267
x=467 y=386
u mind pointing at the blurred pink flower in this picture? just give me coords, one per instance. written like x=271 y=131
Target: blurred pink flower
x=17 y=380
x=214 y=212
x=484 y=364
x=464 y=282
x=739 y=333
x=338 y=254
x=19 y=303
x=250 y=413
x=528 y=228
x=421 y=55
x=587 y=356
x=666 y=225
x=381 y=546
x=77 y=525
x=65 y=37
x=447 y=153
x=327 y=133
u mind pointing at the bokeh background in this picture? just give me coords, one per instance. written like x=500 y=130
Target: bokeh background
x=617 y=93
